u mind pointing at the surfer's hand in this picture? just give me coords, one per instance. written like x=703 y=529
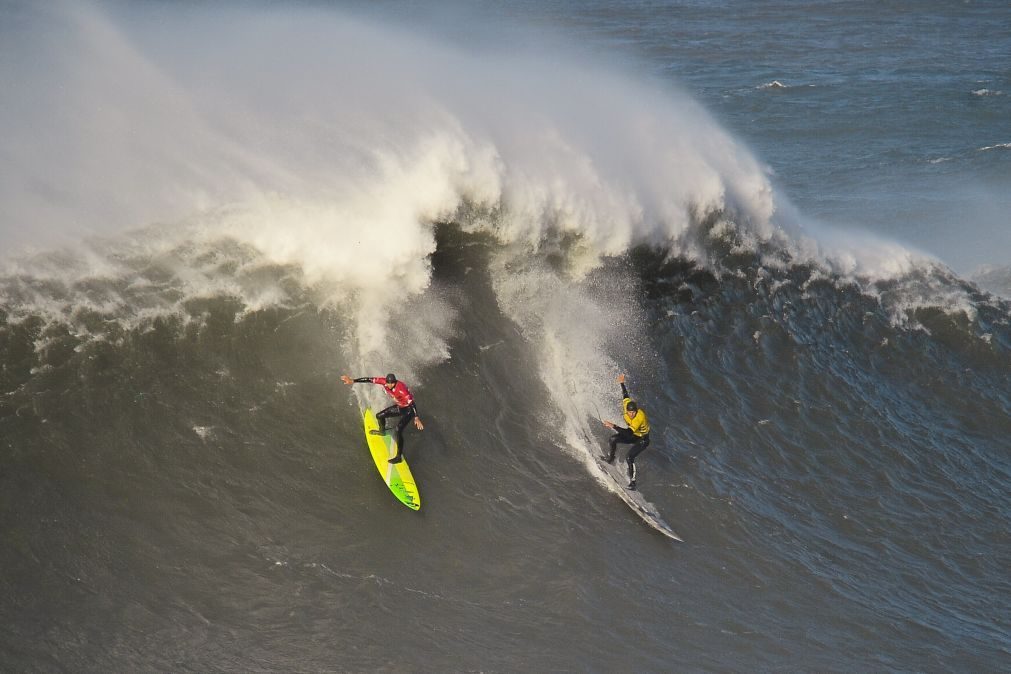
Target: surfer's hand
x=608 y=424
x=346 y=379
x=621 y=379
x=417 y=423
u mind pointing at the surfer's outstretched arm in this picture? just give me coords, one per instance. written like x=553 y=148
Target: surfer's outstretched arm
x=624 y=391
x=360 y=380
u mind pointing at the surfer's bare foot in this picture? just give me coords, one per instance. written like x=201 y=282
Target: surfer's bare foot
x=376 y=431
x=631 y=485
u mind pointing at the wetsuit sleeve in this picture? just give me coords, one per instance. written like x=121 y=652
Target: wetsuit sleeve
x=624 y=399
x=365 y=380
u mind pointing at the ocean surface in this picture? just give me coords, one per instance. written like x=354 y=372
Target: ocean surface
x=785 y=222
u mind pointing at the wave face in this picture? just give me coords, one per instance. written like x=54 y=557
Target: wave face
x=184 y=484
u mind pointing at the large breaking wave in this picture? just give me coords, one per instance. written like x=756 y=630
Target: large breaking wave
x=313 y=140
x=333 y=149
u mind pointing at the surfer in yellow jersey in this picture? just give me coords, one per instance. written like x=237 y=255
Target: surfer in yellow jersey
x=636 y=434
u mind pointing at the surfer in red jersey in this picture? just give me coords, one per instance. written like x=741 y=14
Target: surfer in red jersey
x=403 y=407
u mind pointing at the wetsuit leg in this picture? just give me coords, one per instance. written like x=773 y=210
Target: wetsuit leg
x=641 y=444
x=613 y=442
x=405 y=418
x=623 y=436
x=391 y=411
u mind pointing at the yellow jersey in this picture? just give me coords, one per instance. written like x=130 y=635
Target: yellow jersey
x=637 y=423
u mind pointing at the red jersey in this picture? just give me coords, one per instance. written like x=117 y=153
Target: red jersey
x=400 y=393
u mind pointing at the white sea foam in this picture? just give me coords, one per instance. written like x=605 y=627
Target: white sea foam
x=283 y=137
x=330 y=145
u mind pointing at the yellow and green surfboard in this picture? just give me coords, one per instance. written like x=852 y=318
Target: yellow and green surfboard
x=396 y=475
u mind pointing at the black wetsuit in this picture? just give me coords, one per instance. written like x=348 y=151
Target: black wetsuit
x=406 y=412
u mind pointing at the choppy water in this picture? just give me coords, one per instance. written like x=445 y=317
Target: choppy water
x=184 y=486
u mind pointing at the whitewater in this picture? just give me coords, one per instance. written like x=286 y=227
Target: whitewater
x=210 y=212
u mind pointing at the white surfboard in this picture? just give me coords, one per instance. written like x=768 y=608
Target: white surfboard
x=643 y=508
